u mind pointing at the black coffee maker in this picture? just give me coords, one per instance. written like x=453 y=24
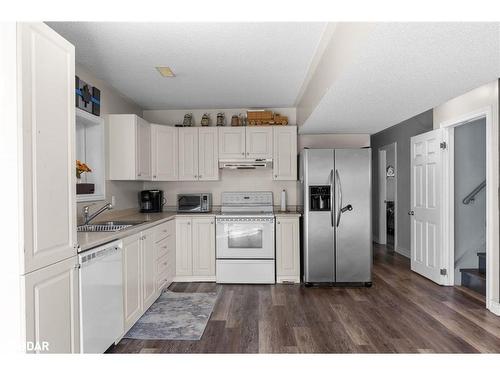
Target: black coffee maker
x=151 y=200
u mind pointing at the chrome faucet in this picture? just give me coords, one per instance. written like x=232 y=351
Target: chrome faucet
x=87 y=217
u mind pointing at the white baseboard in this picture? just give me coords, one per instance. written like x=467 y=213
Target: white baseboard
x=193 y=279
x=404 y=252
x=494 y=307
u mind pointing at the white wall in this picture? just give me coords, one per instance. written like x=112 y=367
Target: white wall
x=231 y=180
x=112 y=102
x=485 y=96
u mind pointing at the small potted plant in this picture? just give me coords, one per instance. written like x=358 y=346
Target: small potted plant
x=83 y=188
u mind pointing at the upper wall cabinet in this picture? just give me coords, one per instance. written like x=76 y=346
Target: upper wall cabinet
x=46 y=71
x=164 y=153
x=246 y=142
x=259 y=142
x=285 y=153
x=231 y=143
x=198 y=154
x=188 y=154
x=129 y=148
x=208 y=154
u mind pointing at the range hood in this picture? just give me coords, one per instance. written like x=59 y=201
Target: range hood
x=246 y=164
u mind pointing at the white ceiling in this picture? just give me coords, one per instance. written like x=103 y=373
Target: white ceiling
x=403 y=69
x=217 y=65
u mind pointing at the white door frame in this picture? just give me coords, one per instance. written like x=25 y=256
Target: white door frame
x=382 y=194
x=448 y=260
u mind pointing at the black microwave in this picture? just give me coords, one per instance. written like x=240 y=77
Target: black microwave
x=194 y=202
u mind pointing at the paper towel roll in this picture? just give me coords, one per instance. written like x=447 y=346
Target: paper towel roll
x=283 y=200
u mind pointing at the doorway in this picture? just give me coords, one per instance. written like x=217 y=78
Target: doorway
x=387 y=156
x=469 y=205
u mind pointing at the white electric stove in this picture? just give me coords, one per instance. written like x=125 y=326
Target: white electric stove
x=245 y=239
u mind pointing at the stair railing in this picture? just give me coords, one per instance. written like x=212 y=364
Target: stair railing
x=472 y=195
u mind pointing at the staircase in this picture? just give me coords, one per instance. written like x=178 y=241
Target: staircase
x=475 y=278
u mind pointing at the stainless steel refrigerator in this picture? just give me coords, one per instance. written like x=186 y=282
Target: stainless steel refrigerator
x=337 y=234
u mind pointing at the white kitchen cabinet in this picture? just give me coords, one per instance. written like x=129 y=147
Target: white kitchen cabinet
x=183 y=247
x=129 y=148
x=285 y=153
x=164 y=153
x=195 y=248
x=51 y=309
x=188 y=154
x=148 y=261
x=231 y=143
x=203 y=239
x=259 y=142
x=46 y=97
x=208 y=154
x=132 y=283
x=287 y=249
x=143 y=149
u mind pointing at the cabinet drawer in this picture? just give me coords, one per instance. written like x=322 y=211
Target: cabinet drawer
x=162 y=280
x=165 y=246
x=164 y=230
x=162 y=265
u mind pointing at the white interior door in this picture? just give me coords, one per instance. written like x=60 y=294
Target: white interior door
x=425 y=208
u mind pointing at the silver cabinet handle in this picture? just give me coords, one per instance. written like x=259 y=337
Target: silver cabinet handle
x=199 y=176
x=242 y=153
x=411 y=213
x=154 y=176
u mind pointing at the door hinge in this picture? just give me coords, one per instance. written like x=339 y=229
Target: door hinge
x=443 y=145
x=443 y=271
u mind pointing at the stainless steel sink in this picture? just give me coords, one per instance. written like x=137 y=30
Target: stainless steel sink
x=108 y=226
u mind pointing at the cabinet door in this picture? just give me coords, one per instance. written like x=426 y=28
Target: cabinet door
x=285 y=153
x=51 y=308
x=203 y=246
x=164 y=153
x=122 y=144
x=188 y=154
x=208 y=156
x=231 y=143
x=46 y=71
x=132 y=269
x=259 y=142
x=143 y=156
x=183 y=247
x=287 y=249
x=148 y=260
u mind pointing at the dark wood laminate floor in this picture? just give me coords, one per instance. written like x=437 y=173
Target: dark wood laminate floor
x=401 y=313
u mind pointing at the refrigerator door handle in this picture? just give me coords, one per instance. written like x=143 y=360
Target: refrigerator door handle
x=330 y=180
x=338 y=204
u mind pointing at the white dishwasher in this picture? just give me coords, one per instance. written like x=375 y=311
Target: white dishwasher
x=101 y=297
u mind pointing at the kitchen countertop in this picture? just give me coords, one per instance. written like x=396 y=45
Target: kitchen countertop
x=89 y=240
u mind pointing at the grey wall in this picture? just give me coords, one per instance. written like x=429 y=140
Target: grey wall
x=470 y=171
x=400 y=133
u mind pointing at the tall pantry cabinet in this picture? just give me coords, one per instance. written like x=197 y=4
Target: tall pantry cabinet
x=46 y=103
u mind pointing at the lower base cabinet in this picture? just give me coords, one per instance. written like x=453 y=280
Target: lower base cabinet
x=51 y=308
x=144 y=255
x=195 y=248
x=132 y=283
x=287 y=249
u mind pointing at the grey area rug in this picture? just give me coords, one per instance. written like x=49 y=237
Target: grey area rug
x=175 y=316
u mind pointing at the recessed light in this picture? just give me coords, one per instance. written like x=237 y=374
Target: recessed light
x=165 y=71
